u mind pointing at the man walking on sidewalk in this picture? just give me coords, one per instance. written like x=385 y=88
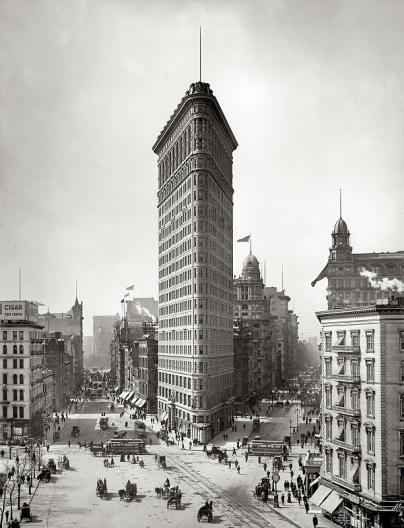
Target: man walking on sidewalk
x=315 y=521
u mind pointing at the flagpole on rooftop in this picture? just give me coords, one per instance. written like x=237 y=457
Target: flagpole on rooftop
x=250 y=245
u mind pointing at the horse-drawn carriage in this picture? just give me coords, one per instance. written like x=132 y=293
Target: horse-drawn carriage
x=63 y=462
x=52 y=465
x=75 y=431
x=161 y=462
x=262 y=489
x=205 y=512
x=44 y=475
x=174 y=497
x=25 y=512
x=97 y=450
x=129 y=493
x=101 y=489
x=215 y=452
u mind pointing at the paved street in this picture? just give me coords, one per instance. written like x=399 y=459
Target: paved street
x=70 y=499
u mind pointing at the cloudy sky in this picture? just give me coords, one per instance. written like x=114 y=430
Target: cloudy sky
x=313 y=91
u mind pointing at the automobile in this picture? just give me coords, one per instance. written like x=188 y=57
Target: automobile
x=279 y=403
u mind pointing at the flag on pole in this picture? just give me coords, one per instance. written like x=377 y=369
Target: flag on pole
x=245 y=239
x=126 y=295
x=123 y=300
x=131 y=287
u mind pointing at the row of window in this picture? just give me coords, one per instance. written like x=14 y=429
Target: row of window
x=353 y=404
x=18 y=395
x=341 y=339
x=349 y=468
x=16 y=379
x=355 y=368
x=354 y=439
x=14 y=333
x=15 y=349
x=17 y=412
x=16 y=363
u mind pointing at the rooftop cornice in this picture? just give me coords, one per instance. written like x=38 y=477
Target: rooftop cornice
x=197 y=90
x=358 y=311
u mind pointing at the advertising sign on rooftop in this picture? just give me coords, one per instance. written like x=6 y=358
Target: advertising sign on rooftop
x=18 y=310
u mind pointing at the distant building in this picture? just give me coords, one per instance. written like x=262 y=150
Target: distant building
x=88 y=352
x=243 y=356
x=103 y=333
x=363 y=414
x=57 y=359
x=147 y=370
x=142 y=309
x=26 y=384
x=70 y=325
x=346 y=286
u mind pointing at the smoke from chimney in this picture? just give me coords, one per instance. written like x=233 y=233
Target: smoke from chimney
x=383 y=284
x=142 y=310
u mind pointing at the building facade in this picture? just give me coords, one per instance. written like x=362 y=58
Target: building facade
x=363 y=414
x=103 y=334
x=70 y=326
x=57 y=359
x=26 y=384
x=147 y=370
x=195 y=226
x=346 y=285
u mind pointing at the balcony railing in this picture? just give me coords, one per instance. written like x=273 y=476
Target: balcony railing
x=347 y=349
x=353 y=486
x=355 y=448
x=346 y=410
x=347 y=378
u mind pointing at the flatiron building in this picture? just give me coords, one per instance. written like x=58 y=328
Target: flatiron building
x=195 y=229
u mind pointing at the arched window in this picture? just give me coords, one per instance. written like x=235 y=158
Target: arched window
x=21 y=349
x=15 y=379
x=4 y=349
x=14 y=349
x=21 y=379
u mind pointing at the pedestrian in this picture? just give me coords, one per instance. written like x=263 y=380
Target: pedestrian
x=268 y=472
x=234 y=451
x=190 y=445
x=229 y=464
x=299 y=498
x=290 y=466
x=246 y=457
x=112 y=462
x=7 y=514
x=283 y=499
x=69 y=442
x=289 y=497
x=291 y=474
x=306 y=507
x=244 y=427
x=47 y=446
x=182 y=445
x=238 y=469
x=265 y=466
x=315 y=521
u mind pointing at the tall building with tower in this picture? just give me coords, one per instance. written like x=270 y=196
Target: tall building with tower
x=358 y=279
x=195 y=226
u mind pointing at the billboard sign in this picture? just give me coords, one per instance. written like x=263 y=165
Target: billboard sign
x=18 y=310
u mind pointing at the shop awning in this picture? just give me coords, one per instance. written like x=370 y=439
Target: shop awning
x=129 y=395
x=331 y=503
x=116 y=388
x=140 y=403
x=164 y=416
x=133 y=398
x=123 y=394
x=315 y=481
x=320 y=495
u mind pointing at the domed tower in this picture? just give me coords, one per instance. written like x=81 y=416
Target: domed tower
x=251 y=267
x=341 y=248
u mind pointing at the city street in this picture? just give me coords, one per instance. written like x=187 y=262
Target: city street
x=70 y=498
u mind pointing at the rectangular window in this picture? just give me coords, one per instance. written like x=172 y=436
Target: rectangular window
x=328 y=368
x=328 y=398
x=14 y=335
x=21 y=335
x=401 y=371
x=341 y=466
x=370 y=405
x=371 y=477
x=402 y=341
x=21 y=395
x=328 y=461
x=328 y=430
x=15 y=363
x=370 y=341
x=15 y=412
x=401 y=432
x=370 y=371
x=401 y=474
x=4 y=412
x=370 y=440
x=14 y=395
x=4 y=394
x=355 y=435
x=340 y=339
x=5 y=379
x=355 y=338
x=4 y=335
x=4 y=363
x=328 y=342
x=21 y=412
x=21 y=363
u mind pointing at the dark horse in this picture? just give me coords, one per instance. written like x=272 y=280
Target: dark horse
x=205 y=511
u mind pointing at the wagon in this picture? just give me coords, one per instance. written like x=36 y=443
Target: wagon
x=75 y=430
x=26 y=512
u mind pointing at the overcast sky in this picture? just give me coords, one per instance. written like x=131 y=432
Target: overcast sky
x=313 y=91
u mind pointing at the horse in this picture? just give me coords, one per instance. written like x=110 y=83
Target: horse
x=205 y=511
x=159 y=492
x=174 y=500
x=122 y=494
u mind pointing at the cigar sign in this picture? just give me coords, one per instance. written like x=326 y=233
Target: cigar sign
x=13 y=309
